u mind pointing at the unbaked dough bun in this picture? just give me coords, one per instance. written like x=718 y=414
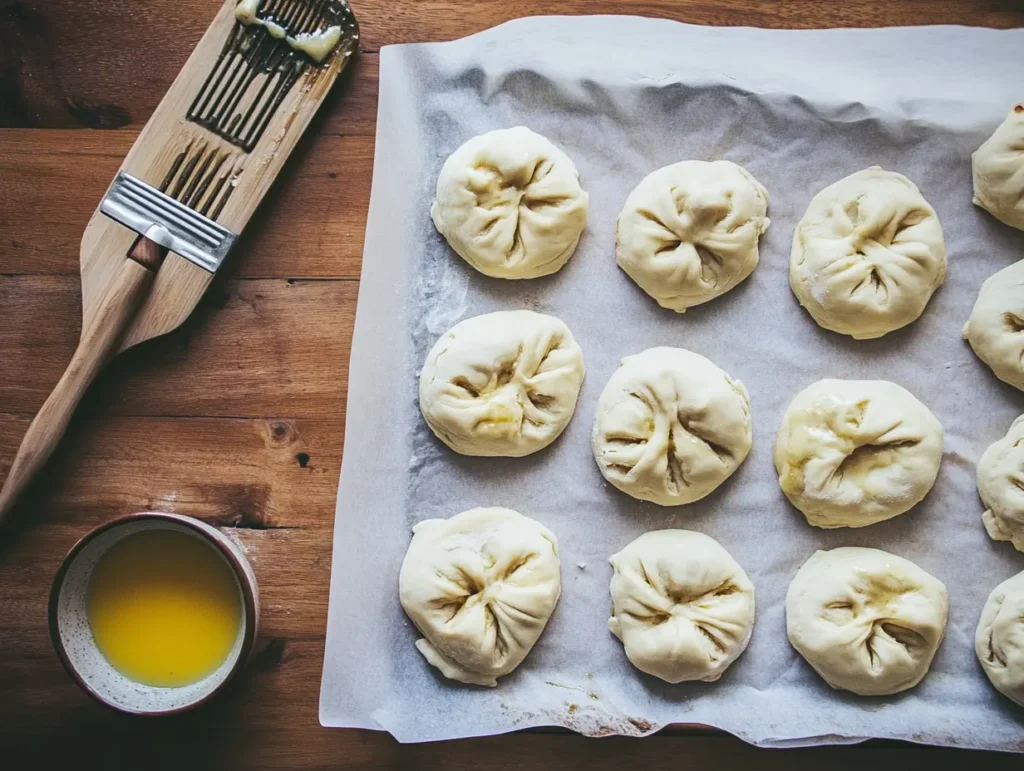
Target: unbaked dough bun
x=999 y=171
x=480 y=587
x=995 y=329
x=510 y=204
x=1001 y=486
x=866 y=620
x=867 y=255
x=999 y=641
x=682 y=606
x=670 y=426
x=851 y=453
x=688 y=232
x=502 y=384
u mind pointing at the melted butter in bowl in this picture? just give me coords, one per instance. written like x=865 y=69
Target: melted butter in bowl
x=164 y=608
x=154 y=613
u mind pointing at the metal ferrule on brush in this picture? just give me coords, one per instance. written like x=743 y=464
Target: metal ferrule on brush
x=165 y=221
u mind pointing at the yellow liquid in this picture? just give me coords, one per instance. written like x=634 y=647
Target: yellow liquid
x=164 y=608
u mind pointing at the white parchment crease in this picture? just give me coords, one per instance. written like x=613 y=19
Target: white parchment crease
x=624 y=96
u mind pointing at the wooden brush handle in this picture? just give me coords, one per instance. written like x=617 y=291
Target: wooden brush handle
x=97 y=346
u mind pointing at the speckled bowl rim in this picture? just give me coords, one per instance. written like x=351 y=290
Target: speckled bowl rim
x=244 y=582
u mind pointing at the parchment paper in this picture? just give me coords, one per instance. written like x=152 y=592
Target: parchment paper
x=624 y=96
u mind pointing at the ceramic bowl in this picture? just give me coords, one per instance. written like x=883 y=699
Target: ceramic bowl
x=72 y=636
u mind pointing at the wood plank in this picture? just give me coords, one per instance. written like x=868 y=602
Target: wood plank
x=105 y=75
x=253 y=348
x=311 y=225
x=449 y=19
x=351 y=107
x=253 y=474
x=279 y=722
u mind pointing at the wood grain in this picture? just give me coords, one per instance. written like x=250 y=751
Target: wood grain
x=288 y=340
x=52 y=182
x=283 y=748
x=238 y=417
x=105 y=78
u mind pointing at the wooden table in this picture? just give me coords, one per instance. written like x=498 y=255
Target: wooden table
x=238 y=417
